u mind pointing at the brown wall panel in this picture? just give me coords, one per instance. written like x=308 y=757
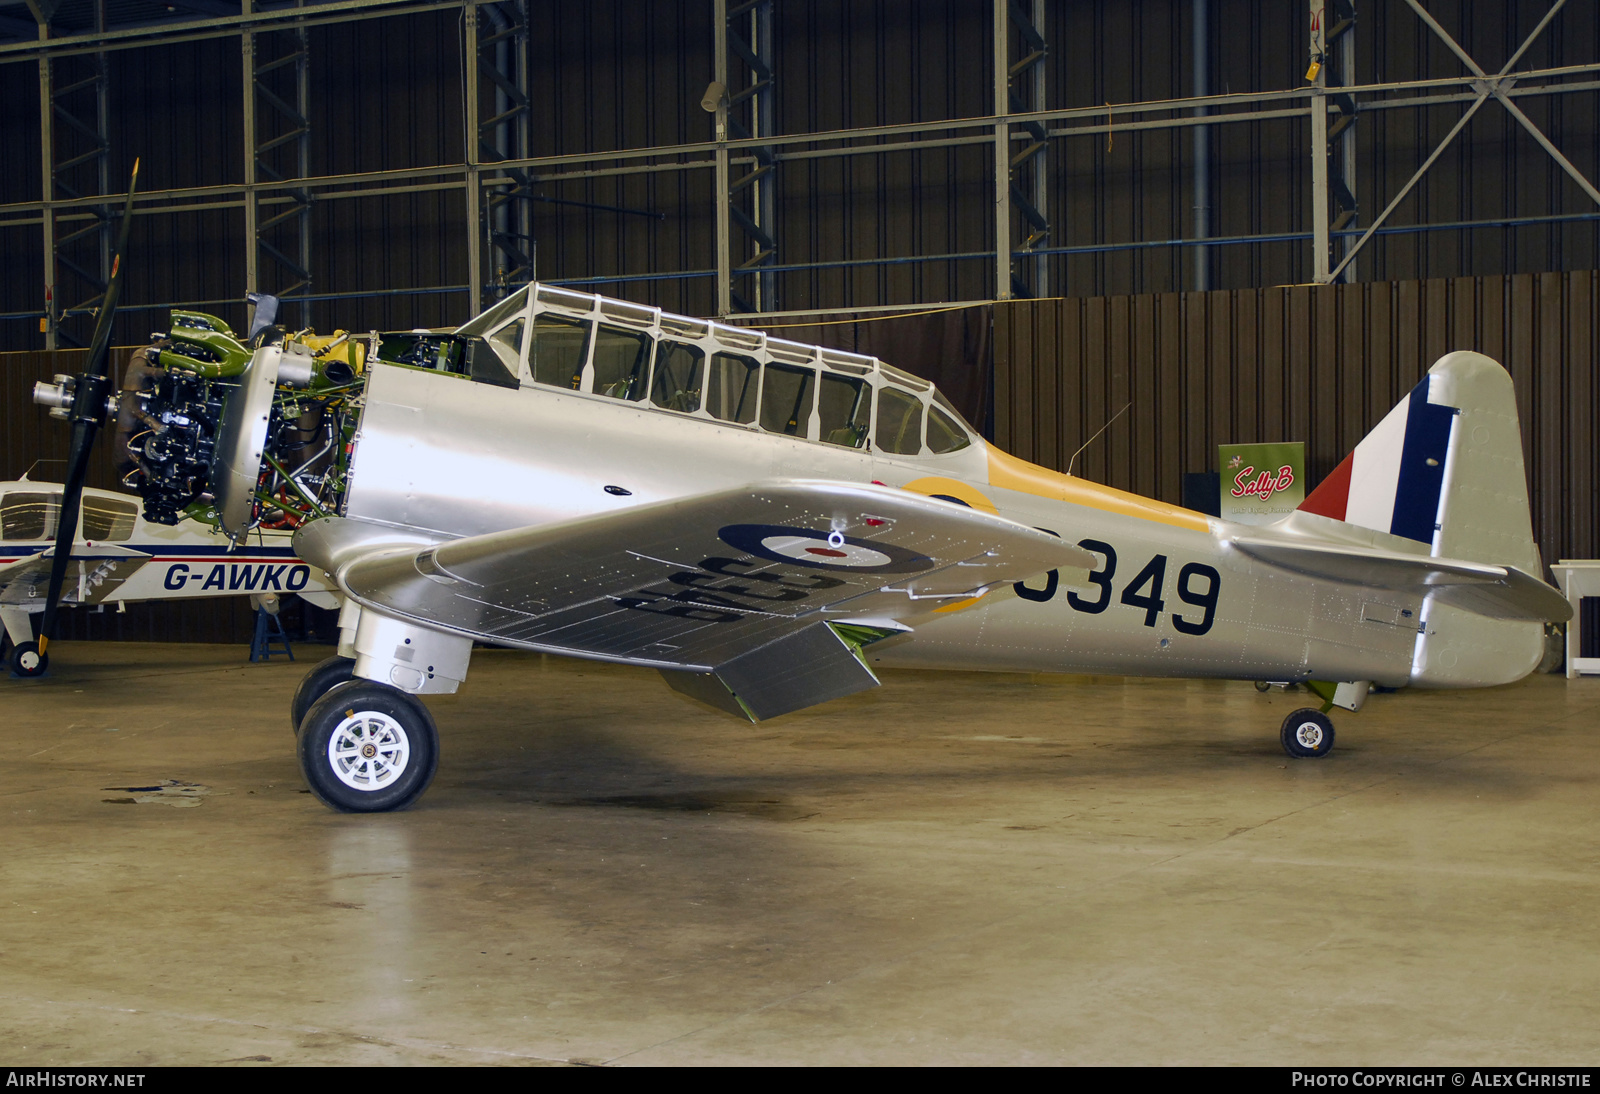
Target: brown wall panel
x=1320 y=365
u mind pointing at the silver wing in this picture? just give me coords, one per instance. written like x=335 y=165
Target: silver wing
x=765 y=592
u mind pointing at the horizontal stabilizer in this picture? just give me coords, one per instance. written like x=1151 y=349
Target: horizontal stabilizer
x=1497 y=592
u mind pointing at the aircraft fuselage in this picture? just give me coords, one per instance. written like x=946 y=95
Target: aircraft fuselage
x=1170 y=596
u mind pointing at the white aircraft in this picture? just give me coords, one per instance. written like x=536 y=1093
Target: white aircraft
x=763 y=521
x=119 y=558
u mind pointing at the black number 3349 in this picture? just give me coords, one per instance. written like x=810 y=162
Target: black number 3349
x=1143 y=593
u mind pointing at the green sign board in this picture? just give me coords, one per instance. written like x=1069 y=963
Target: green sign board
x=1261 y=483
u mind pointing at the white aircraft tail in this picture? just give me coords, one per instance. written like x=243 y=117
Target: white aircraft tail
x=1444 y=469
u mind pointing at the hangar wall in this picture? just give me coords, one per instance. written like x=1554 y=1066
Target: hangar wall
x=1320 y=364
x=387 y=94
x=884 y=63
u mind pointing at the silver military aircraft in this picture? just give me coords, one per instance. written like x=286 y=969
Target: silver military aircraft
x=765 y=522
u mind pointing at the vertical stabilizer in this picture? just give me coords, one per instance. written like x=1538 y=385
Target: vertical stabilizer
x=1443 y=472
x=1443 y=468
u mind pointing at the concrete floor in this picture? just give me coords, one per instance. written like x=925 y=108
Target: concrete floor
x=950 y=869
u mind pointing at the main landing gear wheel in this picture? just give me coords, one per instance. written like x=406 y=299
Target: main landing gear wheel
x=368 y=748
x=26 y=660
x=325 y=676
x=1307 y=733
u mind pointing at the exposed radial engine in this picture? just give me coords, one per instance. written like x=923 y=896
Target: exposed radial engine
x=170 y=421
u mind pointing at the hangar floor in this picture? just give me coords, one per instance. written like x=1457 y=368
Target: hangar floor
x=951 y=869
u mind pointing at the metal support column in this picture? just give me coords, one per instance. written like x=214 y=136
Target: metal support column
x=1020 y=88
x=502 y=44
x=1200 y=46
x=472 y=193
x=763 y=124
x=747 y=113
x=278 y=147
x=47 y=179
x=717 y=101
x=1333 y=117
x=1317 y=74
x=302 y=88
x=75 y=93
x=102 y=159
x=252 y=215
x=1002 y=151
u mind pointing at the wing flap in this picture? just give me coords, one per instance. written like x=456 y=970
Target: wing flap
x=694 y=583
x=1497 y=592
x=801 y=669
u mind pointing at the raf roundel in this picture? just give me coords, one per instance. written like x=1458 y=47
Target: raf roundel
x=837 y=550
x=822 y=550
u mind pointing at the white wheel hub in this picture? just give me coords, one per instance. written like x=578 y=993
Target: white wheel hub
x=29 y=661
x=1309 y=734
x=368 y=750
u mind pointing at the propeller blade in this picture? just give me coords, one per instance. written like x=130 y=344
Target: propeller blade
x=83 y=434
x=100 y=344
x=88 y=410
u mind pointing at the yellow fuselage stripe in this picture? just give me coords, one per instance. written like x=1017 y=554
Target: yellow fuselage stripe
x=1009 y=473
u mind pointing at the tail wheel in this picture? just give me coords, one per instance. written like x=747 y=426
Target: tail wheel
x=325 y=676
x=368 y=748
x=1307 y=733
x=26 y=660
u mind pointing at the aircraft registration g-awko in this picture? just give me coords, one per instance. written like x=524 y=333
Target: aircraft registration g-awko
x=119 y=558
x=765 y=521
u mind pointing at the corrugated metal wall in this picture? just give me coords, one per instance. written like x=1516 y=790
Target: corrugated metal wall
x=623 y=73
x=1315 y=364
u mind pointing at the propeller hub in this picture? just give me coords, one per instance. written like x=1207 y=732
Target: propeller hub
x=57 y=396
x=89 y=397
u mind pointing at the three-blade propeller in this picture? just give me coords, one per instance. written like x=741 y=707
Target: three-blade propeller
x=91 y=396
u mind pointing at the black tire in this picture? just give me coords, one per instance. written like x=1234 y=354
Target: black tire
x=1263 y=686
x=380 y=720
x=1307 y=734
x=26 y=660
x=325 y=675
